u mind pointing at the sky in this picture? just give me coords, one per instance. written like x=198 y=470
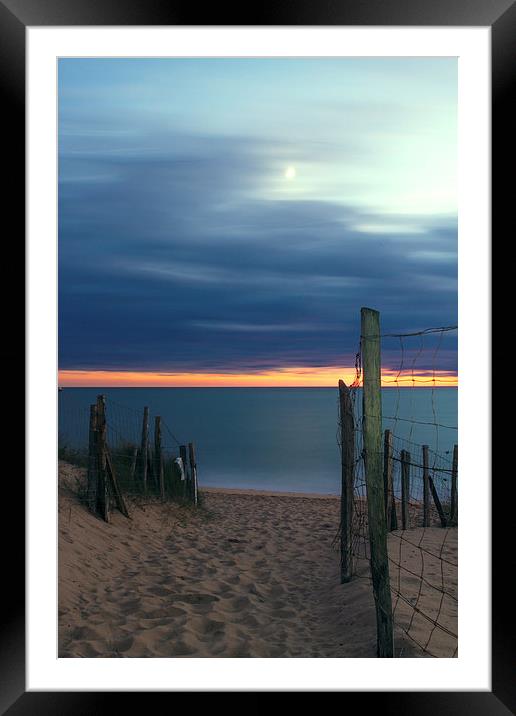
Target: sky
x=222 y=221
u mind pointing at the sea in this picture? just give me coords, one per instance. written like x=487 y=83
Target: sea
x=282 y=439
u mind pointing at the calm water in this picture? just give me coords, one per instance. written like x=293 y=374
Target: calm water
x=278 y=438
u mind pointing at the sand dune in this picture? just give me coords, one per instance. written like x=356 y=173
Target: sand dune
x=249 y=574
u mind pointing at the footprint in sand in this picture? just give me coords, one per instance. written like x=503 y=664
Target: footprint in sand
x=276 y=591
x=179 y=648
x=122 y=645
x=87 y=650
x=81 y=633
x=236 y=604
x=165 y=614
x=159 y=591
x=228 y=562
x=206 y=627
x=209 y=571
x=284 y=613
x=130 y=605
x=234 y=580
x=194 y=598
x=109 y=618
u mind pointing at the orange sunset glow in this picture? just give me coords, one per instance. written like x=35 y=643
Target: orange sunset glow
x=305 y=377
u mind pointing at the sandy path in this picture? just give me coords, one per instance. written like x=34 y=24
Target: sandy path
x=248 y=575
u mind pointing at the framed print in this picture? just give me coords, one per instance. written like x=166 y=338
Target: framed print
x=232 y=483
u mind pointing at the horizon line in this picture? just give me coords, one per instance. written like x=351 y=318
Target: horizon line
x=295 y=377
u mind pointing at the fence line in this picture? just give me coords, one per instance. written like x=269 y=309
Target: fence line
x=420 y=502
x=124 y=457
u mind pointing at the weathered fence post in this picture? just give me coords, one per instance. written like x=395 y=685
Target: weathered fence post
x=151 y=476
x=158 y=457
x=144 y=447
x=437 y=502
x=347 y=439
x=193 y=470
x=182 y=455
x=390 y=508
x=114 y=486
x=453 y=496
x=92 y=460
x=426 y=488
x=372 y=432
x=405 y=488
x=102 y=485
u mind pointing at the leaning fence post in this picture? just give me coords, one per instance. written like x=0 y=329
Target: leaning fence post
x=114 y=486
x=347 y=439
x=144 y=447
x=92 y=460
x=453 y=497
x=102 y=486
x=437 y=502
x=372 y=432
x=158 y=456
x=390 y=508
x=193 y=470
x=426 y=488
x=405 y=488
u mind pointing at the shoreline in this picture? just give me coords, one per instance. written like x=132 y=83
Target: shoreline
x=254 y=492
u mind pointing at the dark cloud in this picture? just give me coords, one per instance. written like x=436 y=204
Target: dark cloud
x=168 y=262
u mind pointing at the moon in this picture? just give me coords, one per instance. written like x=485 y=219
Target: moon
x=290 y=173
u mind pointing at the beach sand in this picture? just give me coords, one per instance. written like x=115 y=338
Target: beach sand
x=248 y=574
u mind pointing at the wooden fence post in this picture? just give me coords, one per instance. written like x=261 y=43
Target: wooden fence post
x=114 y=486
x=437 y=502
x=182 y=455
x=144 y=447
x=405 y=488
x=426 y=488
x=453 y=497
x=151 y=473
x=347 y=439
x=390 y=507
x=193 y=470
x=91 y=496
x=372 y=433
x=102 y=485
x=158 y=457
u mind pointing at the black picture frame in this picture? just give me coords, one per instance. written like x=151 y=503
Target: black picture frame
x=15 y=16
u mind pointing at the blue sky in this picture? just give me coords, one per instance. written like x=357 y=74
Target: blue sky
x=234 y=214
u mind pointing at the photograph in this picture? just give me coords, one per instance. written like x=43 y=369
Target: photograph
x=258 y=320
x=257 y=334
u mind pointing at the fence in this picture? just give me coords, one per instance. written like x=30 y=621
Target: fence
x=126 y=454
x=399 y=507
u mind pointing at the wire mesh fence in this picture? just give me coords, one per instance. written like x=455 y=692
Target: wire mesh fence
x=127 y=453
x=420 y=491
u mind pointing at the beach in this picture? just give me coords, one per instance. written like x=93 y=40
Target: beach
x=246 y=574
